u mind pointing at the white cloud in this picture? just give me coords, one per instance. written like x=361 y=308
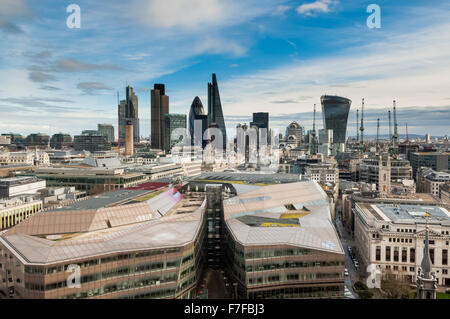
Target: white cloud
x=14 y=8
x=198 y=14
x=313 y=8
x=411 y=68
x=281 y=10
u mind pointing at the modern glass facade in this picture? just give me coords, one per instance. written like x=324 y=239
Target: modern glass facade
x=129 y=111
x=335 y=111
x=159 y=108
x=173 y=122
x=197 y=113
x=215 y=113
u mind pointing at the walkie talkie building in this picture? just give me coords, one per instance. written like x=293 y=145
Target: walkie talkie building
x=335 y=111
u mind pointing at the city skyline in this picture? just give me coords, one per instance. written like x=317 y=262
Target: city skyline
x=279 y=57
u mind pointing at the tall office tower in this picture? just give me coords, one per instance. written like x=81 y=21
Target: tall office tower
x=159 y=108
x=106 y=130
x=129 y=140
x=129 y=111
x=173 y=122
x=294 y=134
x=335 y=111
x=215 y=114
x=261 y=121
x=197 y=115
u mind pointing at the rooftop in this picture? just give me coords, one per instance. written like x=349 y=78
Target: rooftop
x=404 y=213
x=58 y=236
x=295 y=214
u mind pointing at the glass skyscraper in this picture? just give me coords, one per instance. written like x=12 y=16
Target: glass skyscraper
x=197 y=113
x=129 y=112
x=171 y=123
x=215 y=114
x=335 y=111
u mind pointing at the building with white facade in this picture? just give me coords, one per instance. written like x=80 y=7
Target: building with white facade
x=392 y=235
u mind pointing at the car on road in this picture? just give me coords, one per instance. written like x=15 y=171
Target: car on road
x=349 y=248
x=346 y=272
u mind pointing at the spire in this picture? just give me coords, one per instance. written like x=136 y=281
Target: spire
x=426 y=261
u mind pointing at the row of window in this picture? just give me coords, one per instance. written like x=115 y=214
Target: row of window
x=93 y=262
x=280 y=278
x=404 y=255
x=293 y=264
x=118 y=272
x=277 y=253
x=124 y=285
x=303 y=292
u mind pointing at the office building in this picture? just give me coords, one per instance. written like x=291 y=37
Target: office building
x=107 y=130
x=430 y=181
x=335 y=110
x=129 y=141
x=159 y=108
x=91 y=141
x=174 y=123
x=391 y=234
x=97 y=179
x=14 y=211
x=438 y=161
x=39 y=140
x=60 y=141
x=197 y=115
x=275 y=242
x=129 y=111
x=15 y=186
x=215 y=113
x=5 y=140
x=294 y=134
x=400 y=169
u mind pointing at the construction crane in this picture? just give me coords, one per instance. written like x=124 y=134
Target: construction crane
x=357 y=126
x=395 y=137
x=362 y=125
x=390 y=126
x=313 y=142
x=378 y=135
x=118 y=113
x=407 y=136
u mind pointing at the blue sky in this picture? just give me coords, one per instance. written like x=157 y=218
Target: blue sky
x=269 y=55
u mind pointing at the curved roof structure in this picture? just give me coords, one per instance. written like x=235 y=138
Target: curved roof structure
x=294 y=214
x=59 y=236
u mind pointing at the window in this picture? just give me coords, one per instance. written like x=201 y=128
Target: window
x=388 y=253
x=378 y=253
x=412 y=255
x=395 y=253
x=444 y=256
x=432 y=255
x=404 y=254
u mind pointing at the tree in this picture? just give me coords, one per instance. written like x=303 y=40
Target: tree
x=395 y=286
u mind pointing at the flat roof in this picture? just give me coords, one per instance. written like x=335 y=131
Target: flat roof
x=407 y=213
x=249 y=177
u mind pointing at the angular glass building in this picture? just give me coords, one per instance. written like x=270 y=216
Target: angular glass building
x=173 y=122
x=335 y=111
x=215 y=114
x=197 y=113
